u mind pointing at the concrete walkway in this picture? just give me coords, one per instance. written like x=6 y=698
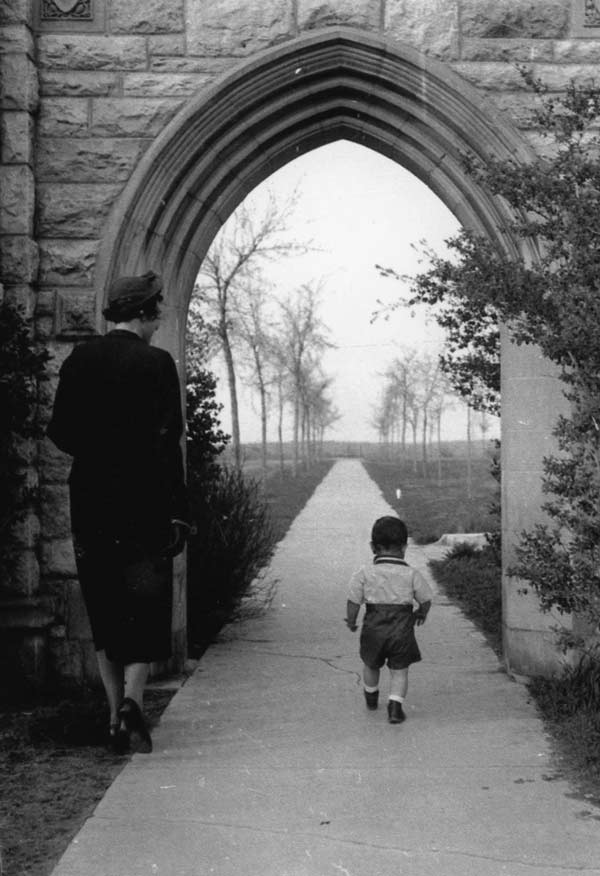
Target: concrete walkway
x=267 y=763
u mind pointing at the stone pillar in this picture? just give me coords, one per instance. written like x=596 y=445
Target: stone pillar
x=25 y=613
x=531 y=402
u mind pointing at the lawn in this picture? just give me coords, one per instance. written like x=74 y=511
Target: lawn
x=54 y=767
x=430 y=509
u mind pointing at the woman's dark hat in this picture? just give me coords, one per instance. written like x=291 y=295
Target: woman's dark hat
x=128 y=295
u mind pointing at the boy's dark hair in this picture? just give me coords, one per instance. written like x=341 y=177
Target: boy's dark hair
x=389 y=532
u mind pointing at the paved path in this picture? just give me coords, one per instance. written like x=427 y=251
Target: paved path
x=266 y=762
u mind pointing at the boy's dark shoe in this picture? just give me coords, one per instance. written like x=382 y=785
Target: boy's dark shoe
x=371 y=699
x=395 y=712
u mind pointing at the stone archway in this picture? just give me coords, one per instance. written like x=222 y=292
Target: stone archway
x=318 y=88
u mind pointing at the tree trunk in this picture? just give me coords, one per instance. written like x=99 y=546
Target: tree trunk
x=424 y=441
x=469 y=466
x=233 y=399
x=439 y=444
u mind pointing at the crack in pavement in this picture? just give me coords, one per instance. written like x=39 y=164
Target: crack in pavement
x=545 y=866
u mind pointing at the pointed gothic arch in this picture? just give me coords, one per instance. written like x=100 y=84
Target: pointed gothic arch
x=333 y=84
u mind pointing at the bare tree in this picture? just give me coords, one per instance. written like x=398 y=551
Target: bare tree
x=303 y=337
x=246 y=241
x=259 y=345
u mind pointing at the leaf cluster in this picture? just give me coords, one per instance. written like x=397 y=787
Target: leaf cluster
x=22 y=364
x=548 y=293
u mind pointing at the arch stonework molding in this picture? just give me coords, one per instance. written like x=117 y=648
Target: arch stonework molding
x=333 y=84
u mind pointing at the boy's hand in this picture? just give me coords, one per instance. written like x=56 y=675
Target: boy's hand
x=421 y=613
x=351 y=625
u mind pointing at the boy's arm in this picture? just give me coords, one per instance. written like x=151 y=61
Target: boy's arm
x=420 y=615
x=352 y=610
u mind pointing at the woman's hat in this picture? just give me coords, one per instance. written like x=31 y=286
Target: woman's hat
x=127 y=295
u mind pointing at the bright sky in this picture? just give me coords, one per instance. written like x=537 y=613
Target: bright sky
x=360 y=209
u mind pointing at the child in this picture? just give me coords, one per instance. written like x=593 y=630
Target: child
x=389 y=589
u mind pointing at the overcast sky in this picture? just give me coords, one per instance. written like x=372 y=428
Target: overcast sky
x=360 y=209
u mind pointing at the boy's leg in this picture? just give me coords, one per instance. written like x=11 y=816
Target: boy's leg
x=371 y=686
x=398 y=688
x=399 y=684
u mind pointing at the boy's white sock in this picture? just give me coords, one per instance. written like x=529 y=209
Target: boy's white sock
x=371 y=689
x=396 y=698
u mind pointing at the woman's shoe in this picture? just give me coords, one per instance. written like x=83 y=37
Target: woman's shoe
x=118 y=739
x=133 y=722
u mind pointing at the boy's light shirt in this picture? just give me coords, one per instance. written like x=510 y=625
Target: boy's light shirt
x=388 y=581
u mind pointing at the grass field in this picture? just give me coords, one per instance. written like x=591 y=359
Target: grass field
x=430 y=509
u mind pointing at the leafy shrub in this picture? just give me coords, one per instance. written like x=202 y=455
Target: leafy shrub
x=233 y=542
x=21 y=365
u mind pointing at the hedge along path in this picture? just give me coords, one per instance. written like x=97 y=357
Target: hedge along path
x=267 y=762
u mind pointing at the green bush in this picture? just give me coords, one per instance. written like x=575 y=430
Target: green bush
x=22 y=364
x=232 y=543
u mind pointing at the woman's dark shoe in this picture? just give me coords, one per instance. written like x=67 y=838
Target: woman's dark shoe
x=118 y=739
x=133 y=723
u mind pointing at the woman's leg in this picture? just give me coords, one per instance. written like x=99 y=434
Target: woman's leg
x=136 y=675
x=113 y=680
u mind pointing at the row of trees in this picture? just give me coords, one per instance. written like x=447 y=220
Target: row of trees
x=273 y=345
x=416 y=393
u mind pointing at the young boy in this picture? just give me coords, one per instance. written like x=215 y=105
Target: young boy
x=389 y=588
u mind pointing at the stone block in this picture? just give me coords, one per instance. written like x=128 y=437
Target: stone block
x=79 y=84
x=145 y=85
x=16 y=137
x=505 y=19
x=147 y=16
x=556 y=77
x=58 y=558
x=16 y=12
x=55 y=513
x=492 y=75
x=26 y=531
x=54 y=464
x=235 y=28
x=18 y=83
x=81 y=52
x=74 y=209
x=169 y=44
x=19 y=259
x=17 y=204
x=357 y=13
x=96 y=160
x=577 y=51
x=75 y=313
x=23 y=577
x=15 y=38
x=429 y=25
x=63 y=117
x=65 y=659
x=67 y=262
x=211 y=67
x=519 y=108
x=112 y=117
x=77 y=623
x=510 y=51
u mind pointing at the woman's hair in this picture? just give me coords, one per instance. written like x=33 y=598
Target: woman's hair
x=389 y=532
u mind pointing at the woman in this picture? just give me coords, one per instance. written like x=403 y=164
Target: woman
x=117 y=412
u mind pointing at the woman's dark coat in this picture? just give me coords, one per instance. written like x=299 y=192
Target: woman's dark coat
x=117 y=412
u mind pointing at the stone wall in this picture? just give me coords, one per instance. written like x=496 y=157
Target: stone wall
x=87 y=91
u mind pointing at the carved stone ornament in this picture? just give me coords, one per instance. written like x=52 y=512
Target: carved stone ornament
x=67 y=10
x=592 y=13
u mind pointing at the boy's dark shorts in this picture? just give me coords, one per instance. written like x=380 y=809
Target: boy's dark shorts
x=388 y=635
